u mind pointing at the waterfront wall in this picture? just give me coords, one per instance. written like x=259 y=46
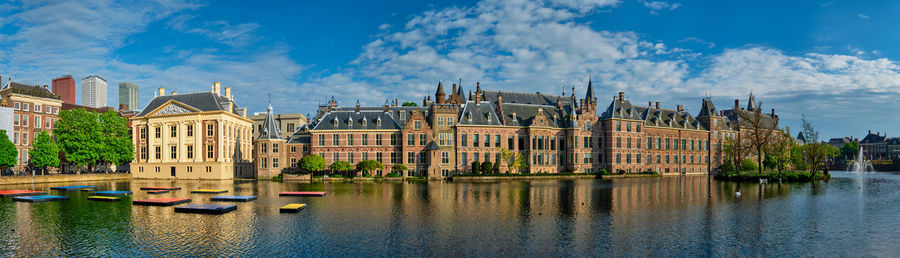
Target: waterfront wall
x=7 y=180
x=496 y=178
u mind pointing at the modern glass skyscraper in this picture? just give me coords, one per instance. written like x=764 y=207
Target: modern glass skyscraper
x=129 y=96
x=93 y=91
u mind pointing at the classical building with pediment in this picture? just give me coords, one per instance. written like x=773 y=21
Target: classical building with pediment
x=201 y=135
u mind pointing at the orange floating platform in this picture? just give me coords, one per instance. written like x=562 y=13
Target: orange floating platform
x=161 y=201
x=13 y=193
x=301 y=194
x=161 y=188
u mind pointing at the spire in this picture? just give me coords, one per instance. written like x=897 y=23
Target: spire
x=590 y=89
x=440 y=89
x=752 y=103
x=269 y=127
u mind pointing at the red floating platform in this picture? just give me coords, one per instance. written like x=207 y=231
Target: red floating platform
x=161 y=188
x=161 y=201
x=302 y=194
x=13 y=193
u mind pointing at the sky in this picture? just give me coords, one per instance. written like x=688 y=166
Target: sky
x=833 y=61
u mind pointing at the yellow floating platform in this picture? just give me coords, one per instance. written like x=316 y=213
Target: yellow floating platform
x=213 y=191
x=293 y=207
x=103 y=198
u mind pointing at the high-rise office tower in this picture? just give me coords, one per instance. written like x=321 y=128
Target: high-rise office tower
x=93 y=91
x=64 y=87
x=128 y=96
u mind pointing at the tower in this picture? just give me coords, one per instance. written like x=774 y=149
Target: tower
x=270 y=146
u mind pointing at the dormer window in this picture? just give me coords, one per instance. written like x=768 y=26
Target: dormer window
x=514 y=118
x=469 y=116
x=378 y=122
x=364 y=122
x=488 y=116
x=350 y=122
x=335 y=122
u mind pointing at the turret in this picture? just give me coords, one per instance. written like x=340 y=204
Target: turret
x=439 y=95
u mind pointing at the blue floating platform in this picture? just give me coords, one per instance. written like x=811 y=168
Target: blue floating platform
x=73 y=187
x=112 y=193
x=40 y=198
x=233 y=198
x=206 y=208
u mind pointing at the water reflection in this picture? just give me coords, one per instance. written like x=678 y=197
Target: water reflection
x=667 y=216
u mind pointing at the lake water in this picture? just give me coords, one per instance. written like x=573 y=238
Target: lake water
x=852 y=215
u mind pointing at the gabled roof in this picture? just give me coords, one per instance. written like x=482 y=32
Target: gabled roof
x=432 y=146
x=516 y=114
x=30 y=90
x=668 y=118
x=203 y=101
x=621 y=109
x=873 y=138
x=767 y=120
x=480 y=114
x=707 y=108
x=526 y=98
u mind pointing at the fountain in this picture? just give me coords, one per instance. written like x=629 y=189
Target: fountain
x=860 y=165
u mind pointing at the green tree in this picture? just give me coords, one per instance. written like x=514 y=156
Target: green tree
x=117 y=147
x=727 y=166
x=341 y=166
x=369 y=165
x=409 y=104
x=797 y=159
x=769 y=162
x=748 y=165
x=79 y=135
x=312 y=163
x=515 y=161
x=496 y=168
x=476 y=167
x=850 y=150
x=8 y=152
x=815 y=155
x=44 y=152
x=398 y=168
x=487 y=167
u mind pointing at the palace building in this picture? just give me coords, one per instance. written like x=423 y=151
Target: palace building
x=555 y=133
x=202 y=135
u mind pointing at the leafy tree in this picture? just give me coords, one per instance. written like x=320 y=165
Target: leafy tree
x=727 y=166
x=117 y=147
x=79 y=135
x=496 y=168
x=476 y=167
x=850 y=150
x=748 y=165
x=760 y=134
x=409 y=104
x=815 y=155
x=487 y=167
x=398 y=168
x=312 y=163
x=769 y=162
x=809 y=132
x=515 y=161
x=8 y=152
x=44 y=152
x=369 y=165
x=341 y=166
x=797 y=159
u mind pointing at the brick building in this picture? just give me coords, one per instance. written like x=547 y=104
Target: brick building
x=555 y=133
x=64 y=87
x=35 y=109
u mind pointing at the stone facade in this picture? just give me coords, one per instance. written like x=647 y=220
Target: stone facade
x=555 y=133
x=201 y=135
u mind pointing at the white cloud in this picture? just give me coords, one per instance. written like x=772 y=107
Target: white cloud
x=699 y=41
x=656 y=6
x=862 y=16
x=224 y=32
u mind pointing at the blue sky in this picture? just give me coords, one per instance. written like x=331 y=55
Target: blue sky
x=834 y=61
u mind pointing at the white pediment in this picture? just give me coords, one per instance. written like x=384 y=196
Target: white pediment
x=171 y=108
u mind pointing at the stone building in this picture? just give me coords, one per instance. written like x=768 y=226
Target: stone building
x=35 y=109
x=285 y=122
x=555 y=133
x=202 y=135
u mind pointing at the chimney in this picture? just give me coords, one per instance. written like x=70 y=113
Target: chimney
x=737 y=104
x=123 y=107
x=244 y=112
x=454 y=90
x=500 y=106
x=621 y=96
x=217 y=87
x=870 y=131
x=174 y=92
x=396 y=102
x=45 y=86
x=657 y=105
x=162 y=91
x=680 y=108
x=155 y=94
x=773 y=111
x=228 y=93
x=357 y=106
x=649 y=104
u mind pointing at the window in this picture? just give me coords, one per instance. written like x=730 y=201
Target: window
x=144 y=153
x=445 y=157
x=410 y=158
x=26 y=107
x=209 y=152
x=365 y=156
x=48 y=123
x=487 y=140
x=475 y=157
x=15 y=137
x=587 y=158
x=684 y=144
x=25 y=139
x=290 y=126
x=16 y=119
x=464 y=140
x=629 y=143
x=649 y=143
x=173 y=152
x=422 y=139
x=394 y=139
x=393 y=158
x=17 y=106
x=335 y=140
x=667 y=143
x=158 y=153
x=464 y=157
x=209 y=130
x=263 y=147
x=440 y=121
x=475 y=140
x=208 y=169
x=293 y=149
x=274 y=162
x=638 y=128
x=173 y=131
x=510 y=142
x=497 y=140
x=417 y=125
x=638 y=158
x=335 y=157
x=618 y=158
x=190 y=130
x=293 y=162
x=274 y=148
x=410 y=139
x=378 y=157
x=618 y=142
x=658 y=160
x=37 y=122
x=262 y=162
x=587 y=142
x=628 y=126
x=378 y=139
x=321 y=140
x=25 y=119
x=190 y=151
x=618 y=125
x=365 y=139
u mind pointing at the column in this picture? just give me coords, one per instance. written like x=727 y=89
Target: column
x=220 y=138
x=199 y=150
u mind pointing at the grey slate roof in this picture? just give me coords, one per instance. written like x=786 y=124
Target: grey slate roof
x=707 y=108
x=622 y=110
x=31 y=90
x=394 y=111
x=736 y=120
x=203 y=101
x=351 y=120
x=269 y=127
x=526 y=98
x=668 y=118
x=873 y=138
x=525 y=113
x=480 y=114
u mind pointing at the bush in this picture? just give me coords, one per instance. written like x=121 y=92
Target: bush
x=277 y=178
x=366 y=174
x=748 y=165
x=487 y=167
x=727 y=166
x=398 y=168
x=604 y=172
x=335 y=175
x=341 y=166
x=476 y=167
x=392 y=174
x=312 y=162
x=496 y=169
